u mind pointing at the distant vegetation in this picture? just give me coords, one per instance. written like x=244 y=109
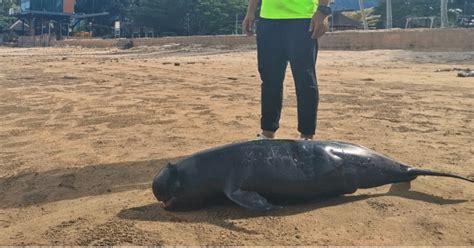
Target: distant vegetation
x=193 y=17
x=422 y=8
x=5 y=20
x=180 y=17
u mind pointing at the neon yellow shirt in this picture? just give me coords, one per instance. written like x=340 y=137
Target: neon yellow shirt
x=288 y=9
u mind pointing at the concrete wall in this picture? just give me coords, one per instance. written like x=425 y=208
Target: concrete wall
x=37 y=41
x=414 y=39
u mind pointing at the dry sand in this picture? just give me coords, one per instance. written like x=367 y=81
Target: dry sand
x=83 y=131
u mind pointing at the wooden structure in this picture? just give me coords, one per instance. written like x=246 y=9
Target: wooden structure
x=47 y=18
x=341 y=22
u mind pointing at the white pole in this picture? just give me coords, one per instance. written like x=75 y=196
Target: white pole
x=444 y=13
x=237 y=24
x=364 y=17
x=332 y=15
x=389 y=15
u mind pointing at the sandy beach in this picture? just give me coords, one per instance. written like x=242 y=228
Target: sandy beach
x=83 y=131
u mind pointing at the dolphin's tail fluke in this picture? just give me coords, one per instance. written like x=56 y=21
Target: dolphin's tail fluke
x=420 y=172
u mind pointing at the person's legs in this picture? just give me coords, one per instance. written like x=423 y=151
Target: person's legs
x=302 y=53
x=272 y=63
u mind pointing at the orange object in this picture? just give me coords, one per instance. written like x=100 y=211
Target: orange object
x=69 y=6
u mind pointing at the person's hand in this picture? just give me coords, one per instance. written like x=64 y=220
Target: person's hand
x=319 y=25
x=247 y=25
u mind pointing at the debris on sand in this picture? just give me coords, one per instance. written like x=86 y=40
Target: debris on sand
x=125 y=44
x=451 y=69
x=461 y=72
x=466 y=73
x=70 y=77
x=177 y=64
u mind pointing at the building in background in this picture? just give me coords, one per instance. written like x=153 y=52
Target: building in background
x=47 y=19
x=44 y=20
x=53 y=6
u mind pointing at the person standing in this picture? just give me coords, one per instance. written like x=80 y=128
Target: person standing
x=288 y=31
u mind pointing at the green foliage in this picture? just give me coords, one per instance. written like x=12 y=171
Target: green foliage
x=161 y=15
x=189 y=16
x=5 y=20
x=118 y=9
x=401 y=9
x=216 y=16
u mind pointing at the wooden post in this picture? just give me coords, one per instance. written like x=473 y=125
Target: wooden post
x=33 y=30
x=22 y=37
x=60 y=24
x=49 y=33
x=42 y=33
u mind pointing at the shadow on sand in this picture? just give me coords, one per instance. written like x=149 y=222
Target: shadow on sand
x=72 y=183
x=38 y=188
x=224 y=212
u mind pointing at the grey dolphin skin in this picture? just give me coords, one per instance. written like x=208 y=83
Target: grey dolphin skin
x=250 y=173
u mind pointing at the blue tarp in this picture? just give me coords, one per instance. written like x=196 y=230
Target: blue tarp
x=353 y=4
x=42 y=5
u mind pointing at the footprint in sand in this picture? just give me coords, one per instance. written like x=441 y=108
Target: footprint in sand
x=18 y=132
x=75 y=136
x=67 y=181
x=18 y=144
x=201 y=107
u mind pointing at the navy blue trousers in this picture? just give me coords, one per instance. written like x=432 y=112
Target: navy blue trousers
x=280 y=42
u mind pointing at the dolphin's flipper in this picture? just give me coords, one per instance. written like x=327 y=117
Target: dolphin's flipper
x=251 y=200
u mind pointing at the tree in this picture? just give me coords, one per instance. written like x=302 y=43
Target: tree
x=161 y=15
x=216 y=16
x=415 y=8
x=118 y=9
x=5 y=19
x=192 y=17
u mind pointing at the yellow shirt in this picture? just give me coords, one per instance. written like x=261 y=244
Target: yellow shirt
x=288 y=9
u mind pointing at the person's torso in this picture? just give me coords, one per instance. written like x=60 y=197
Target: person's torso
x=288 y=9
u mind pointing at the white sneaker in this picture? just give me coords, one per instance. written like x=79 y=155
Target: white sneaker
x=262 y=137
x=306 y=138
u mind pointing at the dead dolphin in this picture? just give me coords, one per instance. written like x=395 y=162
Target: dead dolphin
x=249 y=173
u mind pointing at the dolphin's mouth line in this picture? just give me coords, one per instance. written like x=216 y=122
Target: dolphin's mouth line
x=168 y=201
